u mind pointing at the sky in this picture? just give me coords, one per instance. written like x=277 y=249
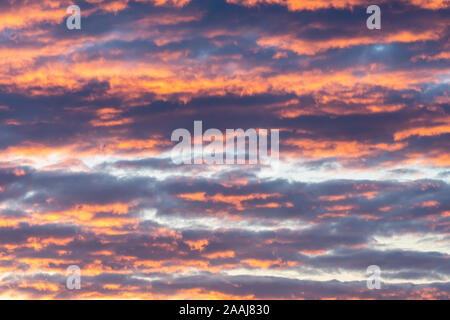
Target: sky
x=87 y=178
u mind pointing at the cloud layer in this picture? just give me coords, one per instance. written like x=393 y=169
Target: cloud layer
x=85 y=171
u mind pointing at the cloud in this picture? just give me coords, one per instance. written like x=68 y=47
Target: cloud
x=86 y=176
